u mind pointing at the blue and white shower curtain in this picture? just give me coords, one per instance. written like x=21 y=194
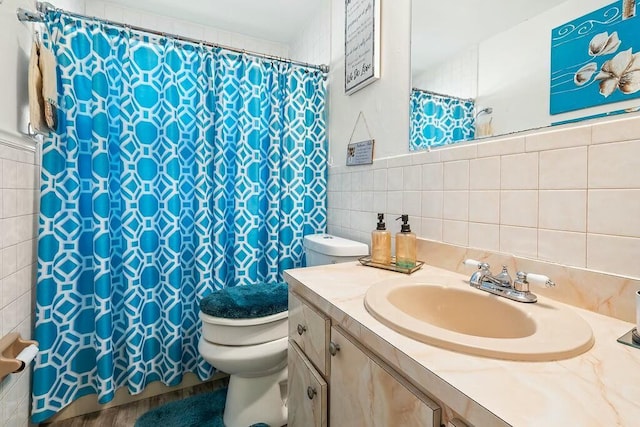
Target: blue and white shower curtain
x=176 y=169
x=439 y=120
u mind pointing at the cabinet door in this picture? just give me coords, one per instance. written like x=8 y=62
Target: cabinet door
x=310 y=330
x=364 y=393
x=307 y=399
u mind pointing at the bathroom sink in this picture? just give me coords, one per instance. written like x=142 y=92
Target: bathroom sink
x=457 y=317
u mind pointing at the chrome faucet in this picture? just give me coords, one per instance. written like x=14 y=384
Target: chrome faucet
x=502 y=284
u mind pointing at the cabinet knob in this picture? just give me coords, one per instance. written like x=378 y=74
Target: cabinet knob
x=301 y=329
x=333 y=348
x=311 y=392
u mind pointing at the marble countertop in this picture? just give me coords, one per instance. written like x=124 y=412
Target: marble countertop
x=600 y=387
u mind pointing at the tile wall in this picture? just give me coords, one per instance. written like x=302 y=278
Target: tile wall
x=569 y=195
x=19 y=173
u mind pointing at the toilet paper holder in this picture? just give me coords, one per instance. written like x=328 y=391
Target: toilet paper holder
x=10 y=346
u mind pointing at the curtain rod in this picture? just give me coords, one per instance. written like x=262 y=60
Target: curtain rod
x=442 y=95
x=44 y=7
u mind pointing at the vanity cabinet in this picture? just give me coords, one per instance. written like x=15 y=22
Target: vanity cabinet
x=308 y=363
x=307 y=391
x=365 y=392
x=335 y=381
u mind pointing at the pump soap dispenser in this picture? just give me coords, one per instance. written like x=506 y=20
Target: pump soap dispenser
x=381 y=243
x=405 y=245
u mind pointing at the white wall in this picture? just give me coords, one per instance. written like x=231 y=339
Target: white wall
x=313 y=44
x=15 y=46
x=384 y=104
x=457 y=77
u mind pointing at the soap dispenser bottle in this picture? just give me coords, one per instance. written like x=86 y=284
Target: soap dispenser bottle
x=381 y=243
x=405 y=245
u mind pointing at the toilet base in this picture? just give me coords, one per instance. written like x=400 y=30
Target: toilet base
x=252 y=400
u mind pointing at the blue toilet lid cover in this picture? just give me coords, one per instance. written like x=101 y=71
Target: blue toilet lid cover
x=246 y=302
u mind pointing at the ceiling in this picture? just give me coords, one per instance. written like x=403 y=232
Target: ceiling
x=273 y=20
x=440 y=29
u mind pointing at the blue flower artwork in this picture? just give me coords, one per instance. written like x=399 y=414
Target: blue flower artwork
x=595 y=59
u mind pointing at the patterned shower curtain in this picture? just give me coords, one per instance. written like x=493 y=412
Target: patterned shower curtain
x=176 y=169
x=439 y=120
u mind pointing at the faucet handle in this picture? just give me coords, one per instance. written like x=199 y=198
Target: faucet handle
x=479 y=265
x=540 y=280
x=535 y=279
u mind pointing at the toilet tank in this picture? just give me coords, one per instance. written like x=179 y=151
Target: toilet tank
x=327 y=249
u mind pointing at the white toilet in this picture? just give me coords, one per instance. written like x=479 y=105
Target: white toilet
x=253 y=350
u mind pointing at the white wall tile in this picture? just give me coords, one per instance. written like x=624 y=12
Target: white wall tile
x=399 y=161
x=356 y=181
x=563 y=169
x=613 y=253
x=519 y=241
x=455 y=232
x=484 y=173
x=412 y=203
x=451 y=153
x=433 y=176
x=380 y=180
x=379 y=201
x=562 y=247
x=484 y=206
x=432 y=204
x=367 y=180
x=432 y=229
x=425 y=157
x=623 y=129
x=394 y=202
x=615 y=165
x=356 y=200
x=9 y=203
x=9 y=174
x=573 y=136
x=455 y=205
x=614 y=212
x=456 y=175
x=519 y=171
x=519 y=208
x=412 y=177
x=485 y=236
x=367 y=201
x=501 y=147
x=395 y=179
x=564 y=210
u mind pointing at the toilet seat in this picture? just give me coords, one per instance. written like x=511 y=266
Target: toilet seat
x=241 y=332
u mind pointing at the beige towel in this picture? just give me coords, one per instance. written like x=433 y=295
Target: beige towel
x=49 y=87
x=36 y=102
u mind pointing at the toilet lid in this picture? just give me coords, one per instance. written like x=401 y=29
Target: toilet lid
x=246 y=302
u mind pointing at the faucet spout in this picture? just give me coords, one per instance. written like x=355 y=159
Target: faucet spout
x=502 y=284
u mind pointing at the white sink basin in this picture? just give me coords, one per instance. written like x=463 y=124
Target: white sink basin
x=460 y=318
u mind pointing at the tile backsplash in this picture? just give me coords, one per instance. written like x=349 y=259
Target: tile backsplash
x=19 y=172
x=568 y=195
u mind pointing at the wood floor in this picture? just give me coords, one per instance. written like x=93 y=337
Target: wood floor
x=126 y=415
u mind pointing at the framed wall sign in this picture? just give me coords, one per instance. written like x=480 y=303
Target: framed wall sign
x=361 y=44
x=360 y=153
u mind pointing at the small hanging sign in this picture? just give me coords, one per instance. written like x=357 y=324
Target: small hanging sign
x=360 y=153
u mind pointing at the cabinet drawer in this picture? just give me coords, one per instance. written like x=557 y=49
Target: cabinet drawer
x=307 y=399
x=365 y=392
x=310 y=331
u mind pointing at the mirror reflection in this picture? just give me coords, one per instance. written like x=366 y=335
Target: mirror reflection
x=484 y=68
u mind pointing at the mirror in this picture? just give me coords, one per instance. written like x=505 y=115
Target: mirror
x=492 y=61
